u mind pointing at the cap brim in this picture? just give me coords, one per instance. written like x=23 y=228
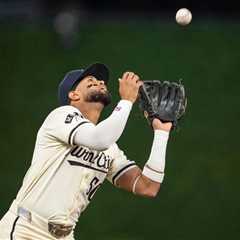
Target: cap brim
x=98 y=70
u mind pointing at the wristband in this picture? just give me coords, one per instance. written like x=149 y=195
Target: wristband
x=154 y=167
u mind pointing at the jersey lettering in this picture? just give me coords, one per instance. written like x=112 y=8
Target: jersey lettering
x=100 y=160
x=94 y=185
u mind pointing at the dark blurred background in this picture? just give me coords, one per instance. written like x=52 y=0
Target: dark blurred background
x=40 y=41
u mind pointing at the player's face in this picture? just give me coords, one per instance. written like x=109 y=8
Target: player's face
x=94 y=90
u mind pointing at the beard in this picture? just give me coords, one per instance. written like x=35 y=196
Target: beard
x=99 y=97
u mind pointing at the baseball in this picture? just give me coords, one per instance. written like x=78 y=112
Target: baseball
x=183 y=16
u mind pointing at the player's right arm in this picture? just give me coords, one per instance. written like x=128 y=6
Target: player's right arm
x=80 y=131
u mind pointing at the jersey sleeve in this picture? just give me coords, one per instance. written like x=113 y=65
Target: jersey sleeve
x=119 y=165
x=63 y=122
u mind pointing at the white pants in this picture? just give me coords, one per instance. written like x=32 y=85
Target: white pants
x=13 y=227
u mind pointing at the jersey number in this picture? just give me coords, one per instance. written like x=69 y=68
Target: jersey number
x=94 y=185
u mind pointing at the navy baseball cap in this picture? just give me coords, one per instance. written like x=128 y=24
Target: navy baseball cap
x=98 y=70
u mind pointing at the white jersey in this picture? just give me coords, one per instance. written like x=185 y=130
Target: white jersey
x=63 y=177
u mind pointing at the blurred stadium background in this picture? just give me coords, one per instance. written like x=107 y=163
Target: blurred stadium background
x=41 y=40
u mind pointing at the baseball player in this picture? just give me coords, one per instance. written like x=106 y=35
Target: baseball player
x=74 y=154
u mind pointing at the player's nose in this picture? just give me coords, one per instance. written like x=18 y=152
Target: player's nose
x=101 y=82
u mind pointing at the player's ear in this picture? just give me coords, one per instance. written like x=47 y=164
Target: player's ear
x=73 y=96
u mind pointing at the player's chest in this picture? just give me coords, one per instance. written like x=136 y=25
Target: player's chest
x=80 y=156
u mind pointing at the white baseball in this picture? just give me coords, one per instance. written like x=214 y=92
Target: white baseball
x=183 y=16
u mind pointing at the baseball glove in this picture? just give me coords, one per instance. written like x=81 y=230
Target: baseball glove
x=163 y=100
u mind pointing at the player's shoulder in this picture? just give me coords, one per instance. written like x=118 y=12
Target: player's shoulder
x=64 y=111
x=64 y=114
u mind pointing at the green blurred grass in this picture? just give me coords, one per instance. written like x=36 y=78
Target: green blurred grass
x=199 y=198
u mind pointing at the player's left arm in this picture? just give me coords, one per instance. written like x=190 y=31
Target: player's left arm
x=147 y=182
x=134 y=181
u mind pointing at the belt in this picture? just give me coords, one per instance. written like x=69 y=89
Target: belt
x=55 y=229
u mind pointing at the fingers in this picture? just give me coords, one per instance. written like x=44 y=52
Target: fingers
x=130 y=76
x=129 y=86
x=135 y=78
x=125 y=75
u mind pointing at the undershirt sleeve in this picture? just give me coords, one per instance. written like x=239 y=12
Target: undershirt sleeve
x=105 y=133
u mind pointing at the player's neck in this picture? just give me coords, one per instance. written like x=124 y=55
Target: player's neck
x=90 y=110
